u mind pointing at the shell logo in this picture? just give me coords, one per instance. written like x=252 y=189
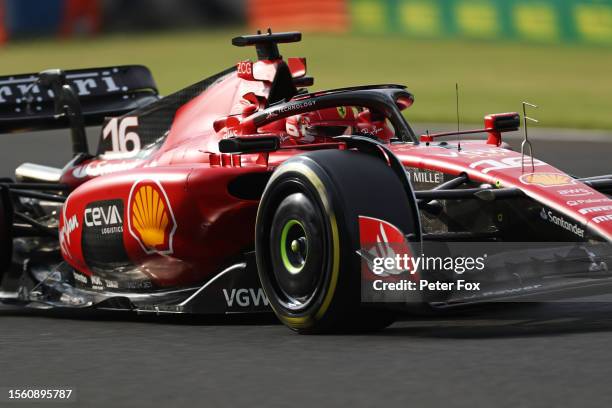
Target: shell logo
x=547 y=179
x=150 y=218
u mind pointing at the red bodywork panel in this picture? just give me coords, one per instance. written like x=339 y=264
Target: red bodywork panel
x=202 y=218
x=187 y=169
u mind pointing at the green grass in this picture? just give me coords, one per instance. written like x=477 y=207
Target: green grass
x=572 y=84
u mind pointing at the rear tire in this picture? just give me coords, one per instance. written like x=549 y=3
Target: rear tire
x=307 y=235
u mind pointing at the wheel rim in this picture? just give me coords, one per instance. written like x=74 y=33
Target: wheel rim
x=294 y=246
x=297 y=251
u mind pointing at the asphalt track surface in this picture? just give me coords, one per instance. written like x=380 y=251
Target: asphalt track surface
x=556 y=354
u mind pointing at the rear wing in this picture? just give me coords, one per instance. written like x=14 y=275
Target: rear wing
x=26 y=103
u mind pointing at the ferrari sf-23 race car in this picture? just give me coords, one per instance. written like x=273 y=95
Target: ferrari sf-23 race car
x=246 y=193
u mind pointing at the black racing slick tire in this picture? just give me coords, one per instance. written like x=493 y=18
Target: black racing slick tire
x=307 y=238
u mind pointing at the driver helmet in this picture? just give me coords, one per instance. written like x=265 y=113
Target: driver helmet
x=321 y=125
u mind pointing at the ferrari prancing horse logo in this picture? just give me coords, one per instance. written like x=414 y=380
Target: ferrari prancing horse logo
x=341 y=111
x=150 y=218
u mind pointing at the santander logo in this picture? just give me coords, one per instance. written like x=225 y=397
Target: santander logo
x=575 y=192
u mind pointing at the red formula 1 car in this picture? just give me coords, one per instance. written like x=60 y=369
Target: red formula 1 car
x=246 y=193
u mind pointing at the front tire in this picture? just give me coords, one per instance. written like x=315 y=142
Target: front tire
x=307 y=235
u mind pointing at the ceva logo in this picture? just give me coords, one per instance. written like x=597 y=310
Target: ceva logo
x=103 y=215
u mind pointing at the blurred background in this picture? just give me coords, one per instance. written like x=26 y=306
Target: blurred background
x=555 y=53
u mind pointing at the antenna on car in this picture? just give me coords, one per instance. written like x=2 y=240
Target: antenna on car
x=457 y=104
x=526 y=141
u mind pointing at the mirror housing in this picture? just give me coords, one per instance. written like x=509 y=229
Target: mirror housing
x=497 y=123
x=249 y=144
